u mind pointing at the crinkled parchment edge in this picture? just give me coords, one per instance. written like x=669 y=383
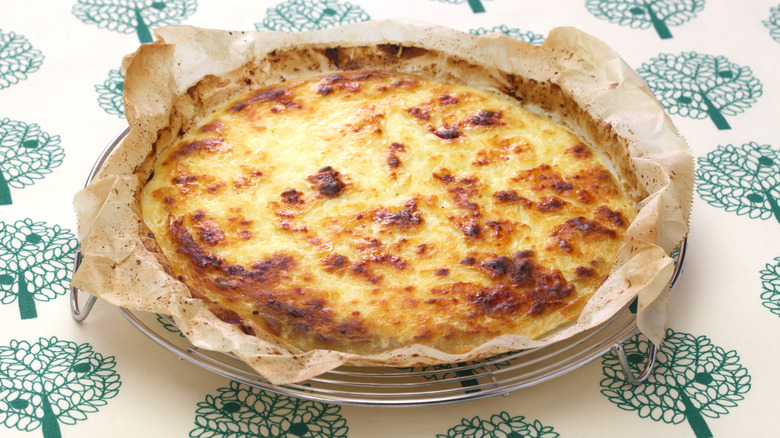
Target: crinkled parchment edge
x=572 y=77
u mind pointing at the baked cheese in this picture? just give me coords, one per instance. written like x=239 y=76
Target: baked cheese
x=361 y=211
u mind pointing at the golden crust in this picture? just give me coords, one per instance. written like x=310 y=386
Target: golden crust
x=366 y=210
x=173 y=84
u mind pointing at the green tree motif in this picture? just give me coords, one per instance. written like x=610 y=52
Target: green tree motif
x=18 y=58
x=526 y=36
x=744 y=180
x=475 y=5
x=241 y=411
x=110 y=96
x=303 y=15
x=692 y=379
x=35 y=262
x=660 y=14
x=500 y=425
x=770 y=280
x=139 y=16
x=773 y=23
x=26 y=154
x=51 y=382
x=699 y=86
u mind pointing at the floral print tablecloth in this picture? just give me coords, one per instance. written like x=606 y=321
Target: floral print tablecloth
x=712 y=64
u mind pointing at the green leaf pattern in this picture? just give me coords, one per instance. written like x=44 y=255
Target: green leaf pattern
x=18 y=58
x=35 y=261
x=501 y=425
x=659 y=14
x=770 y=281
x=52 y=382
x=773 y=23
x=303 y=15
x=692 y=379
x=133 y=16
x=27 y=154
x=241 y=411
x=110 y=96
x=700 y=85
x=742 y=179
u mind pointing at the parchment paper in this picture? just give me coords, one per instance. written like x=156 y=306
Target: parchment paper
x=187 y=72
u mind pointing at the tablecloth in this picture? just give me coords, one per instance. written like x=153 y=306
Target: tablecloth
x=712 y=64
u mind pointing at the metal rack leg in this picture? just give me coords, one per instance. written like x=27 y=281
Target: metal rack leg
x=630 y=377
x=80 y=314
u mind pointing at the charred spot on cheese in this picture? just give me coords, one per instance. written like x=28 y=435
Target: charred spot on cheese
x=604 y=214
x=346 y=83
x=327 y=182
x=551 y=288
x=585 y=196
x=583 y=227
x=520 y=287
x=496 y=300
x=471 y=230
x=486 y=118
x=213 y=188
x=544 y=177
x=598 y=182
x=580 y=228
x=187 y=246
x=264 y=271
x=279 y=96
x=184 y=179
x=210 y=233
x=405 y=83
x=519 y=269
x=463 y=197
x=448 y=99
x=323 y=89
x=579 y=150
x=448 y=133
x=216 y=126
x=550 y=203
x=512 y=197
x=404 y=219
x=444 y=176
x=292 y=196
x=584 y=271
x=207 y=145
x=419 y=113
x=364 y=210
x=247 y=180
x=334 y=262
x=393 y=161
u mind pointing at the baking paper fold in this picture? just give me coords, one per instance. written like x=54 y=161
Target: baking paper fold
x=574 y=78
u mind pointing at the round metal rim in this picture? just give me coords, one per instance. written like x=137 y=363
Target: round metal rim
x=408 y=387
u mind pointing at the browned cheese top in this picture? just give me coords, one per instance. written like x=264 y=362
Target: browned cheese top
x=365 y=210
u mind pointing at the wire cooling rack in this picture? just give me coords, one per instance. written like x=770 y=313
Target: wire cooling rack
x=387 y=386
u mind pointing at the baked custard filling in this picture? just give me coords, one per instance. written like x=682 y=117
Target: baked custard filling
x=361 y=211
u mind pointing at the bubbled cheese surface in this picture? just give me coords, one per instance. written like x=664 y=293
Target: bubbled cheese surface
x=361 y=211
